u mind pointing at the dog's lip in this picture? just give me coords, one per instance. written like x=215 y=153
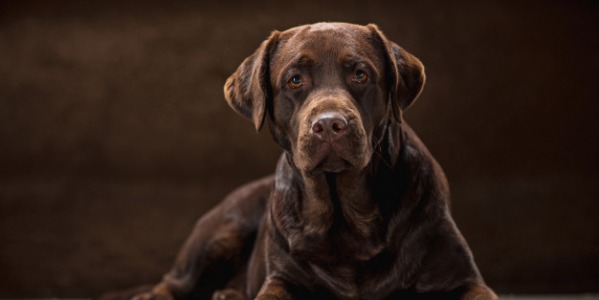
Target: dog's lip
x=333 y=165
x=332 y=159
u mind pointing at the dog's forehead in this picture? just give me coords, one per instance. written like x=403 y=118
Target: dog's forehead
x=331 y=26
x=323 y=40
x=323 y=35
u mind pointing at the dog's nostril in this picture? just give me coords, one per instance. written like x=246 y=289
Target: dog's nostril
x=318 y=127
x=338 y=125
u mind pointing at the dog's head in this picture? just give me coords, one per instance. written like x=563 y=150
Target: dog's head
x=328 y=92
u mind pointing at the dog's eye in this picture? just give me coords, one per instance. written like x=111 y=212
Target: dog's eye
x=360 y=76
x=295 y=82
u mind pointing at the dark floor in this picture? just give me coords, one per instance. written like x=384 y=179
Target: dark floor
x=552 y=297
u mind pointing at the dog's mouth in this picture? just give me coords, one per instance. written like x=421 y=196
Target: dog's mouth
x=332 y=157
x=333 y=163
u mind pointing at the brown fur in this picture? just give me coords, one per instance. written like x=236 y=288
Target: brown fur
x=358 y=213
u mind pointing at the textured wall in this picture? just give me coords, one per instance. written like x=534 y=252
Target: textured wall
x=114 y=135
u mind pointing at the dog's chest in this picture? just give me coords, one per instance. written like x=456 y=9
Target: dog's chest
x=344 y=281
x=344 y=270
x=340 y=280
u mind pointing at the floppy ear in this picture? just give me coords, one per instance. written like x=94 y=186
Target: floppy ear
x=248 y=90
x=405 y=74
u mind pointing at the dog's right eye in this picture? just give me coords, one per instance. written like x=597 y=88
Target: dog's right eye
x=360 y=76
x=295 y=82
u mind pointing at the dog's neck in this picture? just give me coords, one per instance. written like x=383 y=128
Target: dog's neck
x=342 y=200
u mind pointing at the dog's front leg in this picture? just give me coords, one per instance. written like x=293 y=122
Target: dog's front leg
x=274 y=288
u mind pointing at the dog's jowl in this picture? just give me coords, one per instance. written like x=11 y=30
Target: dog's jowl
x=357 y=207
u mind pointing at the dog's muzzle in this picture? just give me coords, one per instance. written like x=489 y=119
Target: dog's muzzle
x=332 y=142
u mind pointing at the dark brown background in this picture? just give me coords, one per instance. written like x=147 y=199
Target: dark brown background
x=114 y=135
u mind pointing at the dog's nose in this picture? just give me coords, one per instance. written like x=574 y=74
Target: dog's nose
x=329 y=126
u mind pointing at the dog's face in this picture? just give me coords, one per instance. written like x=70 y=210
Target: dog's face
x=328 y=91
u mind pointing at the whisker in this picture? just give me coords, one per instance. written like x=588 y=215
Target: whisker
x=383 y=160
x=375 y=147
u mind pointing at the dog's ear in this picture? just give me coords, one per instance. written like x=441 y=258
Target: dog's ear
x=405 y=74
x=248 y=90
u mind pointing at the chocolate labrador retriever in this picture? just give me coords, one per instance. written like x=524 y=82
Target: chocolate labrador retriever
x=357 y=208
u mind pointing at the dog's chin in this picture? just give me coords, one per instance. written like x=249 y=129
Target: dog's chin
x=334 y=164
x=330 y=163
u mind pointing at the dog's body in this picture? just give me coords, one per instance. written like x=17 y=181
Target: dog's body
x=357 y=208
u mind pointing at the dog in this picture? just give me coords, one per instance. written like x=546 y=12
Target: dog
x=357 y=207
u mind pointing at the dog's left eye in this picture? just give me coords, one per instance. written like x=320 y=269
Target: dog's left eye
x=295 y=82
x=360 y=76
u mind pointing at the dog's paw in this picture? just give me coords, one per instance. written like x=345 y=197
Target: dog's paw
x=143 y=296
x=151 y=296
x=228 y=294
x=479 y=292
x=159 y=292
x=268 y=297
